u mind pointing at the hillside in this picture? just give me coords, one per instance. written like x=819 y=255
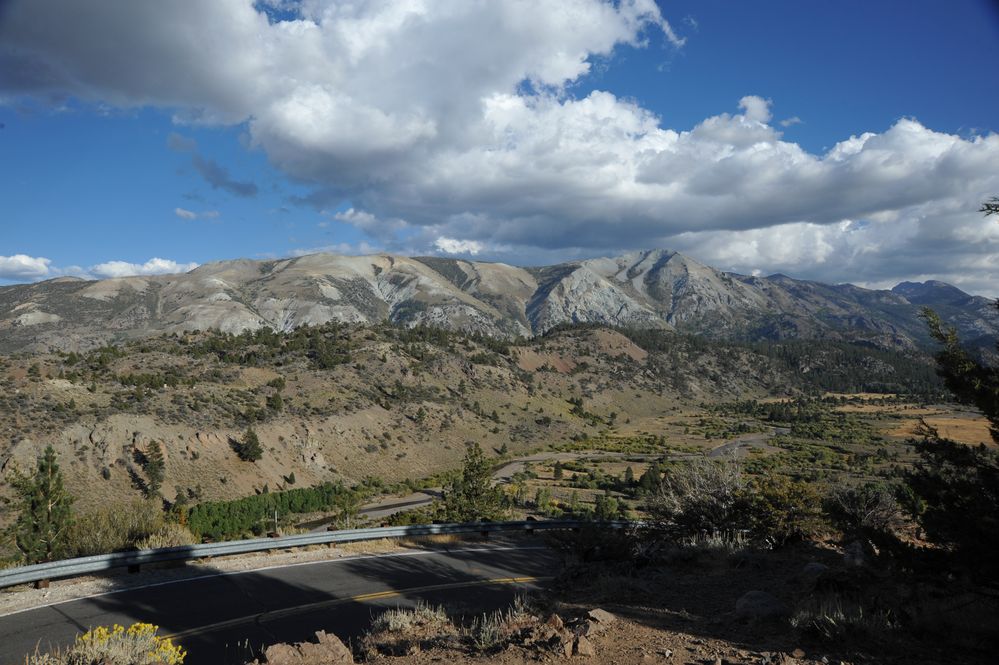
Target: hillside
x=649 y=289
x=340 y=402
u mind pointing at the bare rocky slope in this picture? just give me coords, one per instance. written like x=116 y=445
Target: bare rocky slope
x=655 y=288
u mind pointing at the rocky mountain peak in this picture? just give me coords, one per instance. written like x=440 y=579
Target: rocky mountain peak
x=655 y=288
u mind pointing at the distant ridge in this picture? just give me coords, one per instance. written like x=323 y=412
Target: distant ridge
x=652 y=288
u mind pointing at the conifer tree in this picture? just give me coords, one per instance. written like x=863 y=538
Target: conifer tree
x=155 y=467
x=956 y=485
x=43 y=524
x=250 y=449
x=470 y=496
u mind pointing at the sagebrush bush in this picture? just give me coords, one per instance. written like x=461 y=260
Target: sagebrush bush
x=402 y=619
x=115 y=527
x=169 y=535
x=698 y=497
x=869 y=508
x=136 y=645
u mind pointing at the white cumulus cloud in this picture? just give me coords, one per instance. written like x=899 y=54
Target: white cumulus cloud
x=456 y=121
x=154 y=266
x=21 y=267
x=454 y=246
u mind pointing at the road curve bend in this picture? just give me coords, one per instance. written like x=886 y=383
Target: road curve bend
x=225 y=618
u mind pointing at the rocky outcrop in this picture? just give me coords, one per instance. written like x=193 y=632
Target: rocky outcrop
x=326 y=650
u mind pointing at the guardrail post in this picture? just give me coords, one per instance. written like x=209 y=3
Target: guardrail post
x=41 y=584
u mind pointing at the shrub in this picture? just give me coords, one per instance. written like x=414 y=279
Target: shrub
x=169 y=535
x=699 y=497
x=836 y=618
x=223 y=519
x=782 y=509
x=400 y=619
x=115 y=527
x=871 y=508
x=136 y=645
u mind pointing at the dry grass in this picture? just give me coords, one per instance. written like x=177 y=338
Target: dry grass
x=963 y=429
x=429 y=618
x=834 y=618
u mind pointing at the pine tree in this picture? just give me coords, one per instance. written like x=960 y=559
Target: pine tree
x=606 y=507
x=557 y=471
x=155 y=466
x=957 y=486
x=250 y=450
x=543 y=499
x=470 y=496
x=45 y=518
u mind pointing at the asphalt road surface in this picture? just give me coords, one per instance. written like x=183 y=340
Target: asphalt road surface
x=225 y=619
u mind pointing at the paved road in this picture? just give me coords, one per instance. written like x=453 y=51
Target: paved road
x=223 y=619
x=754 y=440
x=388 y=506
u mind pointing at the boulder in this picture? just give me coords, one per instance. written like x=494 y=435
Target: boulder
x=601 y=616
x=326 y=650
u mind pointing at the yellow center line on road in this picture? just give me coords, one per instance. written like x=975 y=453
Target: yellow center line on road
x=273 y=615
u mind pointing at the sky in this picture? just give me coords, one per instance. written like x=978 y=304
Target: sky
x=849 y=141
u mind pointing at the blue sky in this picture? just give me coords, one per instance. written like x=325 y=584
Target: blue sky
x=503 y=133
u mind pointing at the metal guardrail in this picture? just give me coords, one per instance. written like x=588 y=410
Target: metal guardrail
x=133 y=559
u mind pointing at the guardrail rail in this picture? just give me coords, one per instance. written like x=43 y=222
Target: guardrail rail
x=41 y=572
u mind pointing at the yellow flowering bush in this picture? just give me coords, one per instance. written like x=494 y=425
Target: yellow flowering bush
x=136 y=645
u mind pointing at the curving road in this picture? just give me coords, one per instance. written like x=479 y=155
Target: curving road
x=225 y=618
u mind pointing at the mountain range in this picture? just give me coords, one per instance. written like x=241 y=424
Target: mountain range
x=649 y=289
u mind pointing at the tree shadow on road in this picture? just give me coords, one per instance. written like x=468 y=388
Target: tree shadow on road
x=226 y=617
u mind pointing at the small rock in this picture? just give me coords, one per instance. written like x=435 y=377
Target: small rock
x=566 y=641
x=760 y=606
x=555 y=621
x=601 y=616
x=798 y=653
x=584 y=647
